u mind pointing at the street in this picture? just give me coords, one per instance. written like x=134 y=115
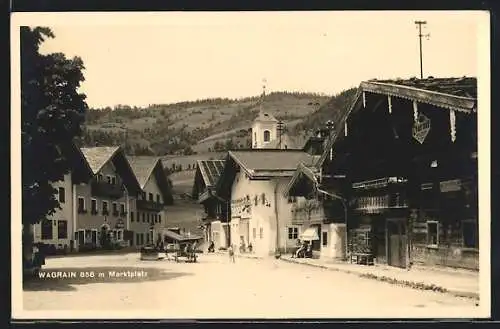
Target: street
x=216 y=288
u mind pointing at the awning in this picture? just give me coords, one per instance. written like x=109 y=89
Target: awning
x=174 y=236
x=310 y=234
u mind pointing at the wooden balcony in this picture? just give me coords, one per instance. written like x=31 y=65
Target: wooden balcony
x=103 y=189
x=149 y=205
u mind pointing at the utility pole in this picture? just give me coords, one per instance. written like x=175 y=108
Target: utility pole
x=280 y=129
x=420 y=35
x=264 y=81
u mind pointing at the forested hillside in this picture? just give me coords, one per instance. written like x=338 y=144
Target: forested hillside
x=209 y=125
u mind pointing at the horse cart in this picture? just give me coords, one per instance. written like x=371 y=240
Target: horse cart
x=185 y=253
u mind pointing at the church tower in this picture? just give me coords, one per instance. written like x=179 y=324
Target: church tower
x=264 y=128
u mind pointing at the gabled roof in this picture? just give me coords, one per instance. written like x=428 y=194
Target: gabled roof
x=263 y=162
x=458 y=94
x=98 y=156
x=462 y=87
x=143 y=166
x=206 y=177
x=308 y=172
x=210 y=171
x=260 y=164
x=265 y=117
x=80 y=169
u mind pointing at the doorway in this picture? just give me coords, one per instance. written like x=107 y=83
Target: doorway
x=396 y=242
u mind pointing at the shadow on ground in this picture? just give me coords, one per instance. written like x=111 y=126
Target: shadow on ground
x=64 y=279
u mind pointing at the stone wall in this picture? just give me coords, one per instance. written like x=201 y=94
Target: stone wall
x=446 y=256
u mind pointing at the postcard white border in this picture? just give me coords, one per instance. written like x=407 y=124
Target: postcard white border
x=158 y=18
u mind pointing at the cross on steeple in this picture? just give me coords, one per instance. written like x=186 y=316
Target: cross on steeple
x=264 y=81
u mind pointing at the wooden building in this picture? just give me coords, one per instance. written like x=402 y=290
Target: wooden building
x=403 y=158
x=215 y=219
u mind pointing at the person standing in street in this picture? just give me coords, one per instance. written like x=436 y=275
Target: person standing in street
x=231 y=253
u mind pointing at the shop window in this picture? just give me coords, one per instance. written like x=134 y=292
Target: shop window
x=324 y=239
x=470 y=234
x=62 y=229
x=432 y=233
x=62 y=195
x=293 y=233
x=46 y=230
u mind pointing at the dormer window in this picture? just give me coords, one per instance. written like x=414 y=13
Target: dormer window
x=267 y=135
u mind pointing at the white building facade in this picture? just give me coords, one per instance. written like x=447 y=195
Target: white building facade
x=58 y=228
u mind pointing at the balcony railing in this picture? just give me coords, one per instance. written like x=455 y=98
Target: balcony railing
x=149 y=205
x=104 y=189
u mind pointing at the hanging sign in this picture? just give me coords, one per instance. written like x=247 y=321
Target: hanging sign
x=421 y=128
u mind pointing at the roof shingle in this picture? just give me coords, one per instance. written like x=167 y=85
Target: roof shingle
x=98 y=156
x=142 y=166
x=262 y=160
x=462 y=87
x=210 y=171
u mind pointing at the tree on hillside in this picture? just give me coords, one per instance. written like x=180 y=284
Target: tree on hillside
x=229 y=144
x=52 y=111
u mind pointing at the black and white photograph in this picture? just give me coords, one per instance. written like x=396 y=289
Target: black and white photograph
x=250 y=165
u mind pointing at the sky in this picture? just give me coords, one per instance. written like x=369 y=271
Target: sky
x=171 y=57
